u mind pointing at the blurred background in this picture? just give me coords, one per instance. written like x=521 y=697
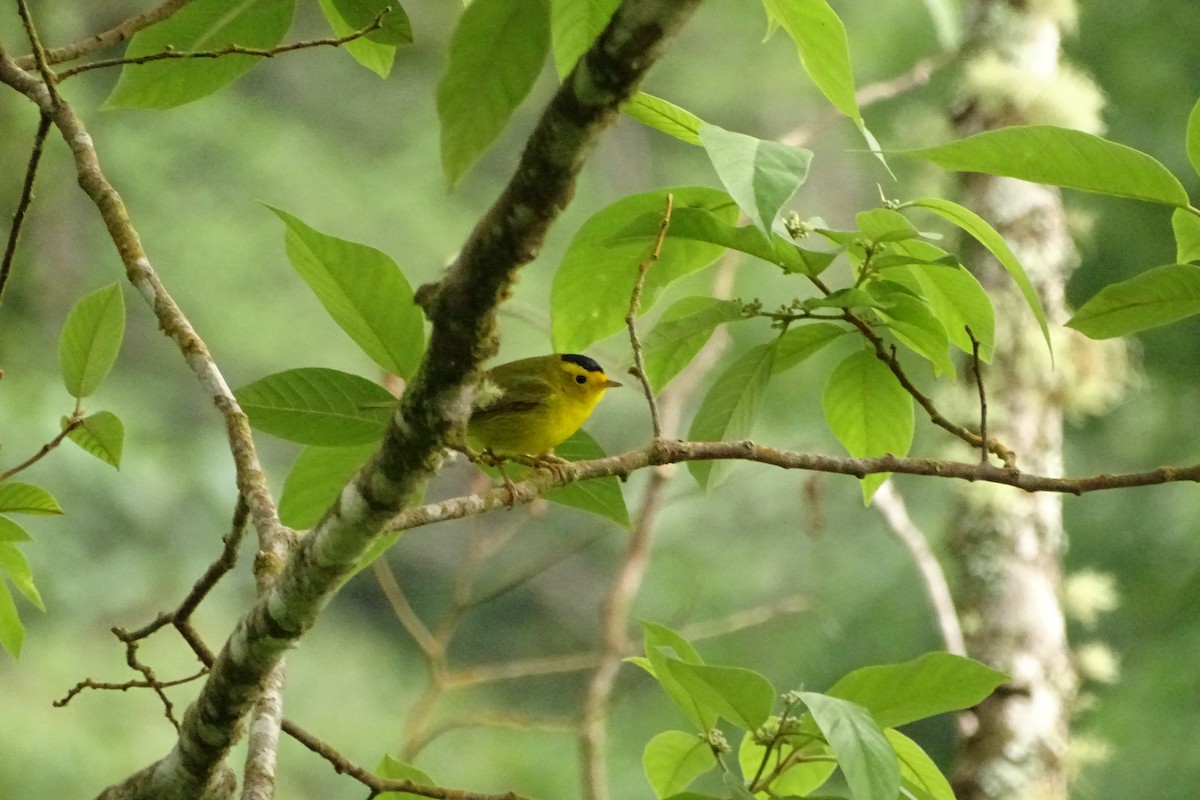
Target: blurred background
x=356 y=156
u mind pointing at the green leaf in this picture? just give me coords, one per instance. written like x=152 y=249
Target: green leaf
x=824 y=50
x=1060 y=157
x=897 y=694
x=377 y=50
x=14 y=565
x=363 y=290
x=200 y=26
x=864 y=754
x=12 y=632
x=1157 y=297
x=730 y=408
x=1193 y=137
x=1186 y=226
x=102 y=434
x=315 y=479
x=25 y=498
x=800 y=778
x=661 y=643
x=956 y=299
x=589 y=297
x=868 y=411
x=673 y=759
x=90 y=340
x=495 y=56
x=574 y=26
x=661 y=114
x=802 y=341
x=910 y=320
x=317 y=406
x=981 y=231
x=397 y=770
x=742 y=696
x=682 y=330
x=919 y=776
x=760 y=175
x=600 y=496
x=885 y=225
x=11 y=531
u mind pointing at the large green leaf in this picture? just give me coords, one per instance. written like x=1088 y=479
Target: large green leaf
x=760 y=175
x=91 y=338
x=315 y=479
x=673 y=759
x=1193 y=137
x=868 y=411
x=199 y=26
x=100 y=434
x=681 y=331
x=363 y=290
x=661 y=644
x=742 y=696
x=590 y=294
x=11 y=531
x=377 y=50
x=919 y=776
x=978 y=228
x=1061 y=157
x=864 y=754
x=574 y=25
x=662 y=115
x=25 y=498
x=897 y=694
x=1156 y=297
x=956 y=299
x=730 y=408
x=495 y=55
x=912 y=322
x=1186 y=227
x=824 y=50
x=317 y=406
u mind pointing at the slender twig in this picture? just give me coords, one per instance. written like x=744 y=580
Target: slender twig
x=73 y=423
x=14 y=231
x=88 y=683
x=638 y=370
x=892 y=508
x=983 y=451
x=39 y=54
x=231 y=50
x=108 y=38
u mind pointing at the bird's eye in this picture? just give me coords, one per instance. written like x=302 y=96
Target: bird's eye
x=581 y=378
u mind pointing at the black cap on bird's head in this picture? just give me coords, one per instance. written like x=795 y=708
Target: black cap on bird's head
x=587 y=363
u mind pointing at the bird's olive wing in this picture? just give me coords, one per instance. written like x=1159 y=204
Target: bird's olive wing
x=511 y=393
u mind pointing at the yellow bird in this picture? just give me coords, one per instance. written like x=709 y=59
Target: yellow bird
x=529 y=407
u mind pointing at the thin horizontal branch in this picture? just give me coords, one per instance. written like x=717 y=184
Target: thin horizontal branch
x=109 y=38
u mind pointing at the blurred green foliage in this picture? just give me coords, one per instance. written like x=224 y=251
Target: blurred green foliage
x=355 y=156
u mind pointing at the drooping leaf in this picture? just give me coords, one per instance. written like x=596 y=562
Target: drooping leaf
x=316 y=477
x=919 y=776
x=824 y=50
x=864 y=754
x=868 y=411
x=199 y=26
x=730 y=408
x=682 y=330
x=363 y=290
x=574 y=25
x=377 y=50
x=12 y=632
x=760 y=175
x=1157 y=297
x=495 y=55
x=662 y=115
x=397 y=770
x=11 y=531
x=590 y=295
x=599 y=496
x=25 y=498
x=1060 y=157
x=317 y=406
x=742 y=696
x=934 y=683
x=1186 y=226
x=102 y=434
x=90 y=339
x=16 y=568
x=673 y=759
x=978 y=228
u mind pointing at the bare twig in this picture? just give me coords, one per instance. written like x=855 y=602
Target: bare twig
x=39 y=54
x=88 y=683
x=638 y=370
x=231 y=50
x=983 y=451
x=108 y=38
x=14 y=231
x=74 y=422
x=892 y=508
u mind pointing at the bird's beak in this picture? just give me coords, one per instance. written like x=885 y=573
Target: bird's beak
x=611 y=384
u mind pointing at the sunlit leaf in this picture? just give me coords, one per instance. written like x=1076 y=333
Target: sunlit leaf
x=12 y=632
x=11 y=531
x=864 y=754
x=377 y=50
x=91 y=338
x=760 y=175
x=673 y=759
x=1156 y=297
x=802 y=341
x=574 y=25
x=1186 y=226
x=824 y=50
x=810 y=769
x=742 y=696
x=25 y=498
x=102 y=434
x=316 y=477
x=919 y=776
x=1193 y=137
x=662 y=115
x=317 y=406
x=16 y=568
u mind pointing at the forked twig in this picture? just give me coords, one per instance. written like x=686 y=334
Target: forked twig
x=638 y=370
